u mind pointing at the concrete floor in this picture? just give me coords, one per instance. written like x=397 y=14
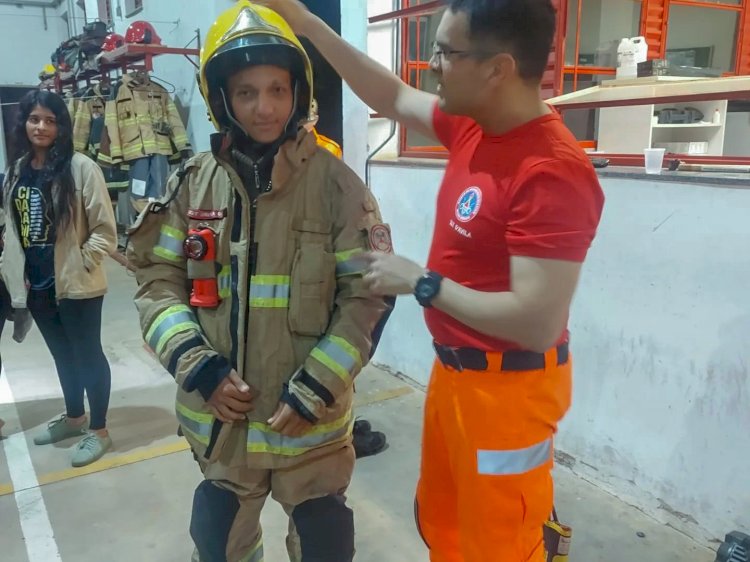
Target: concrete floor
x=135 y=503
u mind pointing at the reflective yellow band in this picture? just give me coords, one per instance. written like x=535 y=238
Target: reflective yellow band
x=173 y=321
x=269 y=291
x=516 y=461
x=339 y=356
x=225 y=282
x=170 y=245
x=261 y=439
x=132 y=151
x=350 y=262
x=197 y=425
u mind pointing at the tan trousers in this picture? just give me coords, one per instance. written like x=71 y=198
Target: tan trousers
x=324 y=476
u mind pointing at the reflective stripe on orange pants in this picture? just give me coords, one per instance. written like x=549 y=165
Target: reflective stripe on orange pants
x=485 y=487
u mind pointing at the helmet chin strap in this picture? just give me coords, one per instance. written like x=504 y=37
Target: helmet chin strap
x=295 y=101
x=229 y=113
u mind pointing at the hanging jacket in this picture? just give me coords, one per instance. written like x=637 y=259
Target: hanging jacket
x=71 y=102
x=88 y=130
x=141 y=120
x=295 y=320
x=87 y=137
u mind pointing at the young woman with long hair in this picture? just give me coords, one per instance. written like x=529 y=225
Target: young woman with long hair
x=59 y=229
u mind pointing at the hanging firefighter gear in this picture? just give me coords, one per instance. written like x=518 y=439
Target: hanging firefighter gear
x=141 y=120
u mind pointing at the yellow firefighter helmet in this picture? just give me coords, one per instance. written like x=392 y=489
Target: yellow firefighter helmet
x=248 y=34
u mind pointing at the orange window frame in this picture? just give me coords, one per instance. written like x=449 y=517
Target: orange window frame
x=653 y=25
x=416 y=12
x=411 y=12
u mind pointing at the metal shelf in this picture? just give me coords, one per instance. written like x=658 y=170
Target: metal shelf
x=126 y=58
x=132 y=53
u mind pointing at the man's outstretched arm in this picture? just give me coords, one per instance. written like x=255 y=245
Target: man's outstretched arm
x=374 y=84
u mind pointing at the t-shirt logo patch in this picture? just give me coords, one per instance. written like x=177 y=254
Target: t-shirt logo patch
x=469 y=204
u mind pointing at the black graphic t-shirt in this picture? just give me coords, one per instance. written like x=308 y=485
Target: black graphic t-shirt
x=36 y=226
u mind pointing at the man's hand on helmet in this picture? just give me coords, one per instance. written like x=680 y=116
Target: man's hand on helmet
x=293 y=11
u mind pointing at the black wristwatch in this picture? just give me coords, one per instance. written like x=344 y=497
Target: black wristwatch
x=427 y=288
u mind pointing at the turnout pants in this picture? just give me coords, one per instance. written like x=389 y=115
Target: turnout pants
x=226 y=526
x=485 y=488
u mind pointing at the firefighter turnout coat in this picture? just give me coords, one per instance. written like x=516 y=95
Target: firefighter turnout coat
x=294 y=316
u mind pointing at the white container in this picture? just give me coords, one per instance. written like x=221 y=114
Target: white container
x=640 y=49
x=630 y=52
x=654 y=160
x=626 y=67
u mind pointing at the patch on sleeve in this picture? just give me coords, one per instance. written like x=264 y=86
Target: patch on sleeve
x=379 y=236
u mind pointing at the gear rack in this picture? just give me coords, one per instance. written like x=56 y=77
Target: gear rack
x=131 y=56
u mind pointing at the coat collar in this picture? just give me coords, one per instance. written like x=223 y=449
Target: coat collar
x=291 y=156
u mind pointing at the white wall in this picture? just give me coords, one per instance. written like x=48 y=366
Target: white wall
x=355 y=112
x=25 y=45
x=659 y=334
x=406 y=197
x=380 y=41
x=660 y=330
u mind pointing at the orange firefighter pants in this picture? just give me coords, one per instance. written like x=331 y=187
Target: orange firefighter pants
x=485 y=488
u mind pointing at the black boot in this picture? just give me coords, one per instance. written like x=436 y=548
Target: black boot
x=367 y=442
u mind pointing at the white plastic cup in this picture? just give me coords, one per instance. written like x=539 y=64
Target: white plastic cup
x=654 y=160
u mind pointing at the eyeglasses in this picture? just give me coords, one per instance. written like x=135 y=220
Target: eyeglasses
x=440 y=54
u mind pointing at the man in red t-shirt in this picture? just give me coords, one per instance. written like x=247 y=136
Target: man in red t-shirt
x=516 y=213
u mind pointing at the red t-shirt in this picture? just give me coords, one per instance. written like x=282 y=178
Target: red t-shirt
x=531 y=192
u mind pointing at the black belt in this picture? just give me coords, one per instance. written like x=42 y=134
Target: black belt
x=461 y=358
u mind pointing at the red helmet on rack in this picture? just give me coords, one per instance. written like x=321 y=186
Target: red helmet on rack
x=112 y=42
x=142 y=32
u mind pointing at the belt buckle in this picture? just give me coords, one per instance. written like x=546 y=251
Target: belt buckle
x=448 y=356
x=453 y=354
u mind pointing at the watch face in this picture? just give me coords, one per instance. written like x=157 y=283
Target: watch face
x=424 y=290
x=427 y=288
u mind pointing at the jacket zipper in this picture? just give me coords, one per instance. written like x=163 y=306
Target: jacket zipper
x=253 y=216
x=251 y=270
